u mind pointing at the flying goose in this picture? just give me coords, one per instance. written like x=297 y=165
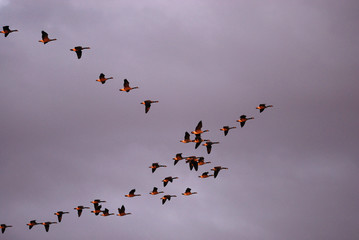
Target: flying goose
x=96 y=202
x=121 y=211
x=3 y=227
x=102 y=78
x=97 y=210
x=155 y=191
x=154 y=166
x=243 y=119
x=78 y=50
x=198 y=140
x=188 y=192
x=168 y=179
x=79 y=210
x=208 y=145
x=167 y=197
x=217 y=169
x=32 y=223
x=198 y=129
x=45 y=38
x=201 y=161
x=262 y=106
x=47 y=225
x=147 y=104
x=106 y=213
x=7 y=31
x=59 y=215
x=186 y=138
x=126 y=86
x=132 y=194
x=177 y=158
x=225 y=129
x=205 y=175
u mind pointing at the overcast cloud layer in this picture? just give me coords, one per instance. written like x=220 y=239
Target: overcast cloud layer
x=67 y=139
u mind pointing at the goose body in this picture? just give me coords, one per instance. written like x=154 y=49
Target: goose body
x=154 y=166
x=262 y=106
x=217 y=169
x=32 y=223
x=122 y=212
x=177 y=158
x=168 y=179
x=167 y=197
x=201 y=161
x=79 y=210
x=6 y=31
x=47 y=225
x=78 y=50
x=102 y=79
x=198 y=129
x=186 y=138
x=45 y=38
x=3 y=227
x=126 y=86
x=147 y=104
x=209 y=146
x=193 y=162
x=188 y=192
x=205 y=175
x=225 y=129
x=96 y=202
x=243 y=119
x=132 y=193
x=198 y=140
x=155 y=191
x=59 y=215
x=97 y=210
x=106 y=213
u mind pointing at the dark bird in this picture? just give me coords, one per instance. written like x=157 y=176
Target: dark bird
x=102 y=79
x=96 y=202
x=186 y=138
x=7 y=31
x=198 y=140
x=3 y=227
x=198 y=129
x=168 y=179
x=192 y=161
x=167 y=197
x=32 y=223
x=217 y=169
x=45 y=38
x=225 y=129
x=201 y=161
x=243 y=119
x=97 y=210
x=121 y=211
x=79 y=210
x=155 y=191
x=78 y=50
x=126 y=86
x=59 y=215
x=177 y=158
x=188 y=192
x=262 y=106
x=209 y=146
x=147 y=104
x=47 y=225
x=106 y=213
x=154 y=166
x=132 y=193
x=205 y=175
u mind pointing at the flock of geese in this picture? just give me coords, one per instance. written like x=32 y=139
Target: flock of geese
x=192 y=161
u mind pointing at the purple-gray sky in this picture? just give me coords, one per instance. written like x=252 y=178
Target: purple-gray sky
x=67 y=139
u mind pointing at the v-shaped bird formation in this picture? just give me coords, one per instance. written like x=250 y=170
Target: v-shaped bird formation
x=193 y=161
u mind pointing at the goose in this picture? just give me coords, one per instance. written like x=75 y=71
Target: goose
x=106 y=213
x=243 y=119
x=217 y=169
x=198 y=140
x=201 y=161
x=32 y=223
x=155 y=166
x=155 y=191
x=262 y=106
x=188 y=192
x=102 y=78
x=45 y=38
x=132 y=194
x=79 y=210
x=121 y=211
x=96 y=202
x=7 y=31
x=205 y=175
x=126 y=86
x=47 y=225
x=225 y=129
x=147 y=104
x=168 y=179
x=186 y=138
x=208 y=145
x=193 y=162
x=177 y=158
x=167 y=197
x=97 y=210
x=198 y=129
x=3 y=227
x=78 y=50
x=59 y=215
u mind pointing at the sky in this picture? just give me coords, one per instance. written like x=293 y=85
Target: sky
x=67 y=139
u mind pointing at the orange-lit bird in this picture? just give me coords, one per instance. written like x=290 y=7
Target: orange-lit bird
x=45 y=38
x=177 y=158
x=3 y=227
x=78 y=50
x=262 y=106
x=201 y=161
x=186 y=138
x=208 y=145
x=47 y=225
x=155 y=191
x=154 y=166
x=188 y=192
x=205 y=175
x=198 y=129
x=243 y=119
x=102 y=79
x=168 y=179
x=126 y=86
x=32 y=223
x=59 y=215
x=167 y=197
x=97 y=210
x=122 y=212
x=217 y=169
x=132 y=193
x=106 y=213
x=147 y=104
x=225 y=129
x=79 y=210
x=6 y=31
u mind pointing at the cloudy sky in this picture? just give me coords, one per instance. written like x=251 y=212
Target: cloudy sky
x=67 y=139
